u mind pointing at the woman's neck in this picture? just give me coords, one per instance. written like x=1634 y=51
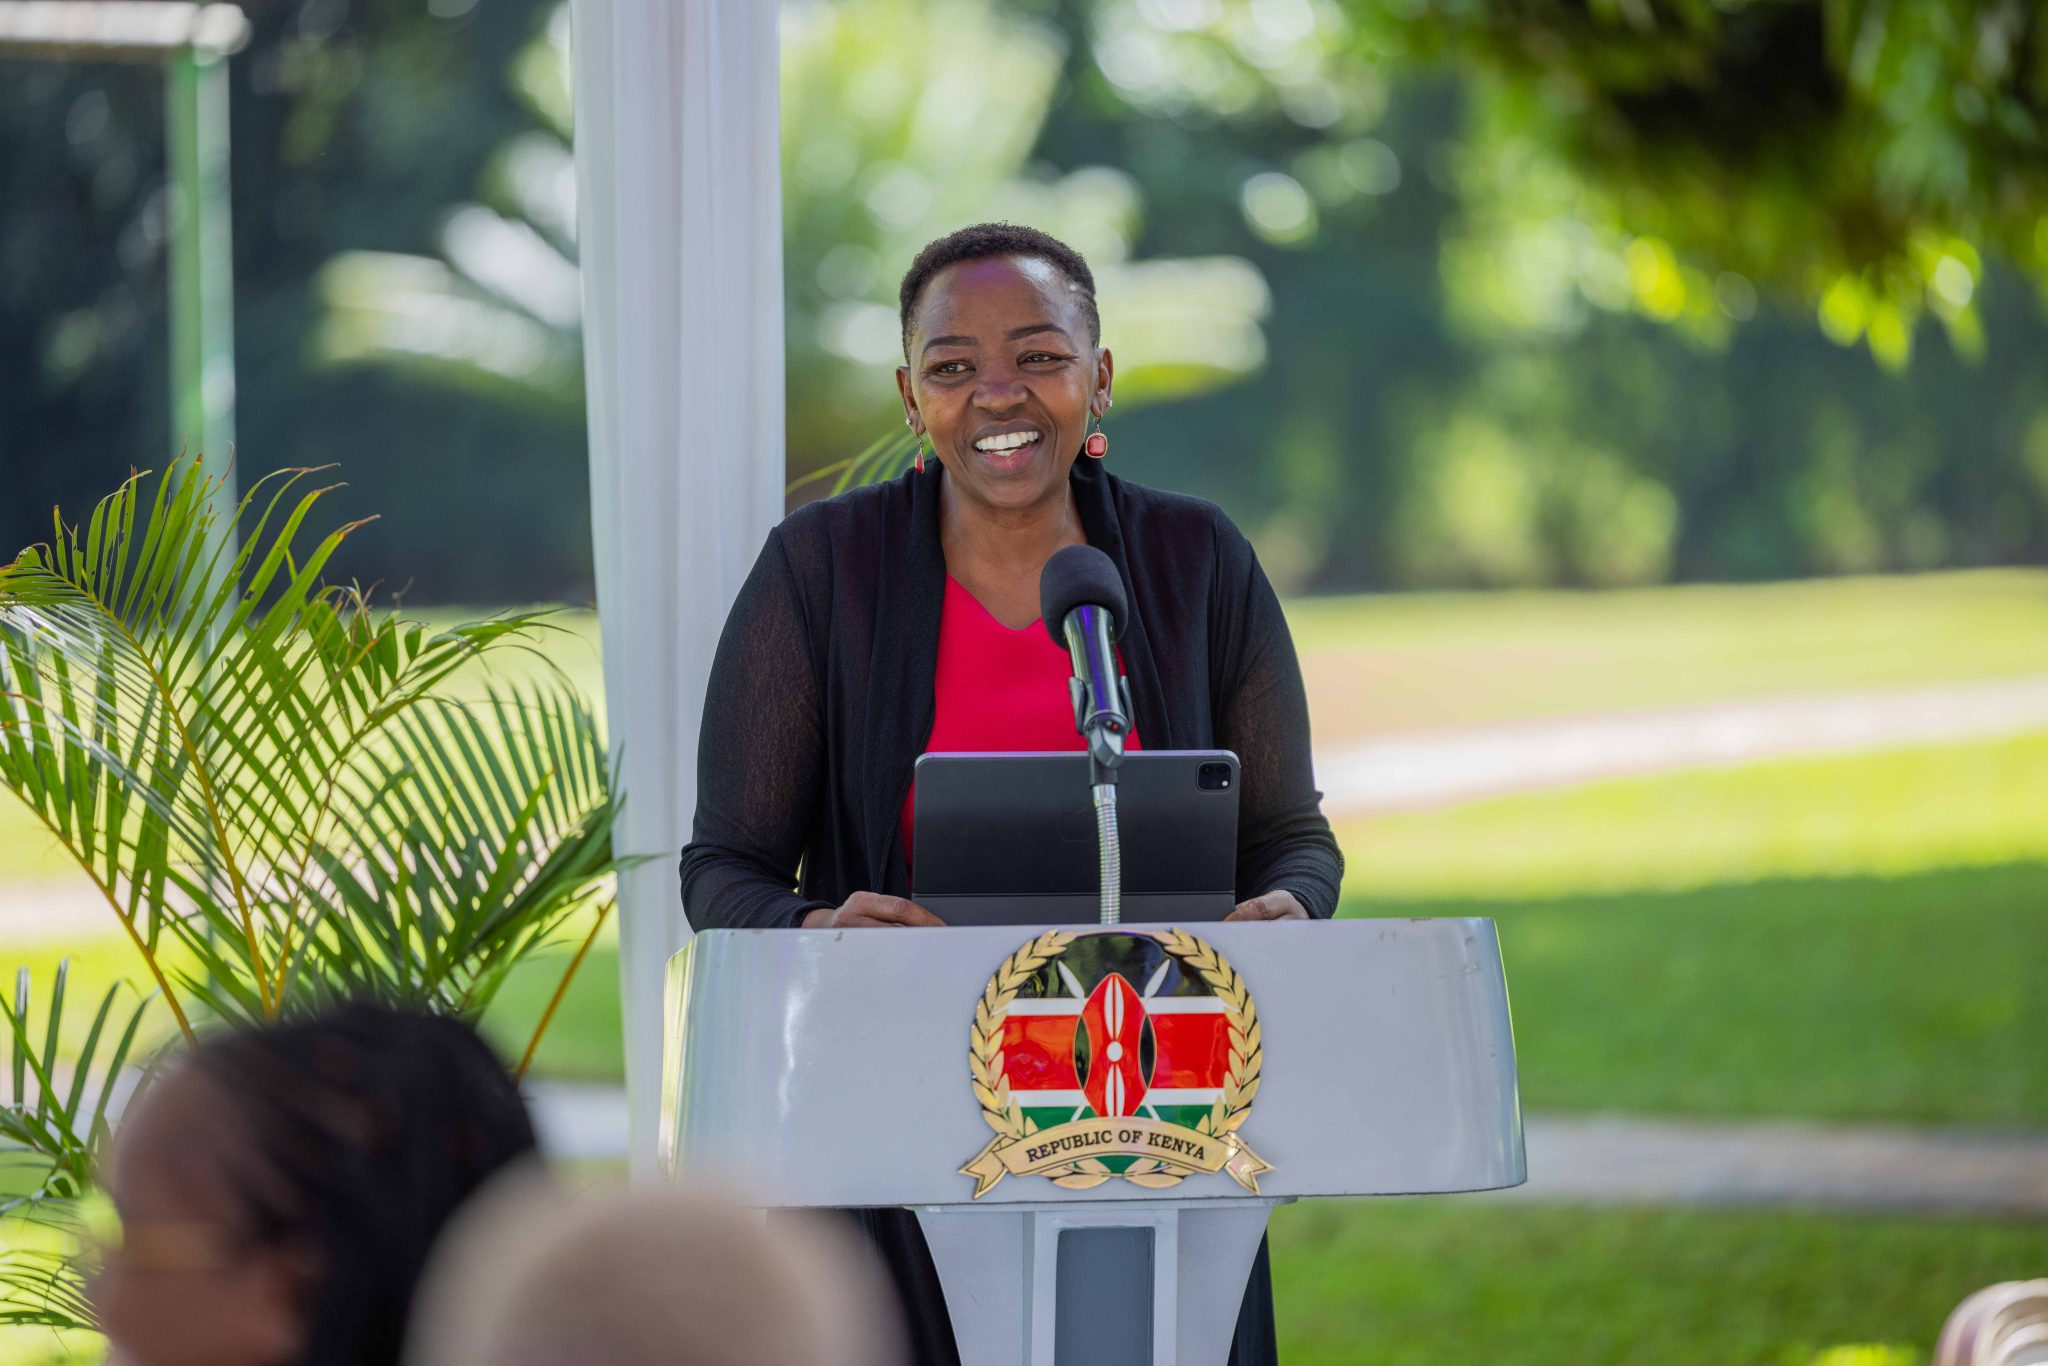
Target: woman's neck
x=997 y=553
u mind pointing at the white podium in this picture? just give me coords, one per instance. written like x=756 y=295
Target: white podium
x=1092 y=1125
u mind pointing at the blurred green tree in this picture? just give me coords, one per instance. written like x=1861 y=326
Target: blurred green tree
x=1861 y=156
x=1496 y=351
x=355 y=124
x=874 y=96
x=1519 y=379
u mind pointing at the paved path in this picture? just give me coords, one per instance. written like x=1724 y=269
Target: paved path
x=1435 y=768
x=1627 y=1160
x=1612 y=1159
x=1617 y=1160
x=38 y=912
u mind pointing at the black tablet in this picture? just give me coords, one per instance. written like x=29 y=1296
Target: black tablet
x=1009 y=839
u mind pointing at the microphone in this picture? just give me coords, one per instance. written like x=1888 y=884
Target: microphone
x=1082 y=599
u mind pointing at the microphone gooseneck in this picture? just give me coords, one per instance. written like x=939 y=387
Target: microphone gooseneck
x=1109 y=850
x=1081 y=597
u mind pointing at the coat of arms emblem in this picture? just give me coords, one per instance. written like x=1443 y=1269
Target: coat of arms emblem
x=1124 y=1053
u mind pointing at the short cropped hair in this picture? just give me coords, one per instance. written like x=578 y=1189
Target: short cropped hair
x=980 y=241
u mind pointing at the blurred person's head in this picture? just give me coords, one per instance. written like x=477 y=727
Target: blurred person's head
x=2000 y=1325
x=279 y=1189
x=530 y=1276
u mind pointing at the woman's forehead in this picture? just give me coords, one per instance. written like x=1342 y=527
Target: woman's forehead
x=996 y=291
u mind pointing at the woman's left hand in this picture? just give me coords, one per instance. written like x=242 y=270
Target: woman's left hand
x=1271 y=906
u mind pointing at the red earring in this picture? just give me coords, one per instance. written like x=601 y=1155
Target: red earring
x=1097 y=445
x=919 y=462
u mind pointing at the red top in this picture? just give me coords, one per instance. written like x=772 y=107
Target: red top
x=996 y=690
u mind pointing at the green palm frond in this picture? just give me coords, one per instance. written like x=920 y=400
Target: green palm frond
x=165 y=718
x=264 y=773
x=57 y=1128
x=882 y=458
x=43 y=1289
x=55 y=1125
x=486 y=825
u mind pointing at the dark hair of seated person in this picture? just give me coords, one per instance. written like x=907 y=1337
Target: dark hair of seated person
x=337 y=1146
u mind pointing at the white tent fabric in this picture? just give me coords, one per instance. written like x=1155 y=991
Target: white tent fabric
x=680 y=227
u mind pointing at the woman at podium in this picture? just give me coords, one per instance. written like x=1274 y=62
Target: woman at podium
x=902 y=618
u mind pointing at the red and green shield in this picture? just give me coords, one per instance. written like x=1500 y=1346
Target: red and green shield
x=1124 y=1053
x=1115 y=1027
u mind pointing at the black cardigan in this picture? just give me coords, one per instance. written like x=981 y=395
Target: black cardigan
x=820 y=698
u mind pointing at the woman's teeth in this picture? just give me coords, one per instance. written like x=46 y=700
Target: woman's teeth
x=1007 y=442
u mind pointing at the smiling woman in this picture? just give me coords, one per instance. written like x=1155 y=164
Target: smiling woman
x=1003 y=402
x=901 y=618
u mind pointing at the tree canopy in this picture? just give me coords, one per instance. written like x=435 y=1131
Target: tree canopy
x=1858 y=156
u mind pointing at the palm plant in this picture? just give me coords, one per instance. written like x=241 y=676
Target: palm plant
x=266 y=777
x=52 y=1136
x=280 y=797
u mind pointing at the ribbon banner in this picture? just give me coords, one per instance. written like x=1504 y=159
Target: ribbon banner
x=1181 y=1151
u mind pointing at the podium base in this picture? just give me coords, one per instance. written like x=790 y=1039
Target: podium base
x=1101 y=1283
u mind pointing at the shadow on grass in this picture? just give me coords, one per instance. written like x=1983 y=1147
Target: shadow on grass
x=1915 y=998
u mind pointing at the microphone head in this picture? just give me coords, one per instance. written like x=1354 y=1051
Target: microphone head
x=1080 y=576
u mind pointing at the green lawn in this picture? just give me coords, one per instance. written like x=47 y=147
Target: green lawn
x=1839 y=937
x=1976 y=804
x=1845 y=937
x=28 y=852
x=584 y=1043
x=1854 y=937
x=1850 y=998
x=1401 y=661
x=1475 y=1280
x=1912 y=998
x=1850 y=937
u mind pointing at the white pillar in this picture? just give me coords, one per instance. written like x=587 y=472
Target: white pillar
x=680 y=225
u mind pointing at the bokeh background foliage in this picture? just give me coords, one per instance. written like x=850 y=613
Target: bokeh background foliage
x=1429 y=292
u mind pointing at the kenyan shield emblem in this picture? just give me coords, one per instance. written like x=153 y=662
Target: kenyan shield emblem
x=1123 y=1053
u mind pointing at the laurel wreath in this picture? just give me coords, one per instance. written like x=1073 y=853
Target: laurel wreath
x=1004 y=1115
x=1241 y=1082
x=985 y=1035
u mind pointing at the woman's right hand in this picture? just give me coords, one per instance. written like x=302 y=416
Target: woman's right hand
x=864 y=909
